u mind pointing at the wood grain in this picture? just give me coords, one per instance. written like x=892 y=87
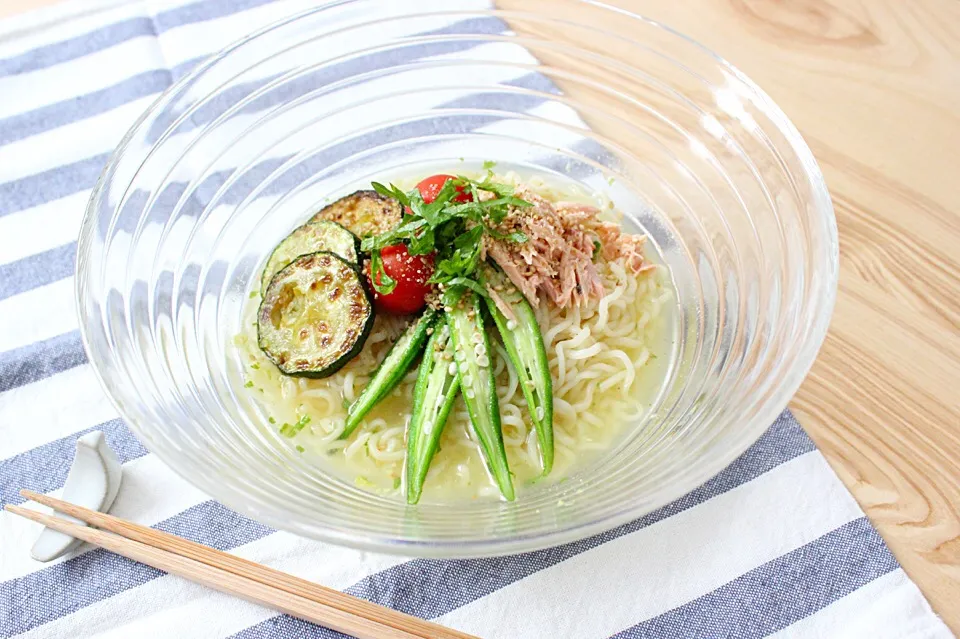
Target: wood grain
x=328 y=597
x=874 y=88
x=217 y=579
x=873 y=85
x=235 y=576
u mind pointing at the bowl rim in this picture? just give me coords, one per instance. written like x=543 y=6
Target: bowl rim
x=753 y=428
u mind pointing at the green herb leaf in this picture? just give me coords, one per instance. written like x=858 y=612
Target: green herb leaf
x=471 y=284
x=383 y=283
x=465 y=257
x=513 y=236
x=488 y=165
x=454 y=231
x=402 y=232
x=393 y=192
x=453 y=294
x=422 y=244
x=487 y=184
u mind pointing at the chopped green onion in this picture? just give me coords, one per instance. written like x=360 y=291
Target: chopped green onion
x=291 y=430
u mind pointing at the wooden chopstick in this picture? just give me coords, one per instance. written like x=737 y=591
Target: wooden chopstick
x=237 y=576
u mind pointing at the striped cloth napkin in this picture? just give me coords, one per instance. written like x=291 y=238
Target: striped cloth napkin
x=773 y=545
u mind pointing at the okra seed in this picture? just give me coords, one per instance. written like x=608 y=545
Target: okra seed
x=511 y=325
x=452 y=369
x=540 y=412
x=469 y=393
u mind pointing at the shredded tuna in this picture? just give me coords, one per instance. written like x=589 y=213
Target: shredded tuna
x=501 y=304
x=617 y=245
x=557 y=258
x=614 y=243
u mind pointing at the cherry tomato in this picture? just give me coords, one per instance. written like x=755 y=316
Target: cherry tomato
x=430 y=188
x=411 y=273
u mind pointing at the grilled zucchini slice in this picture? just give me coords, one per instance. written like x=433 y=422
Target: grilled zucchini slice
x=315 y=315
x=310 y=238
x=363 y=213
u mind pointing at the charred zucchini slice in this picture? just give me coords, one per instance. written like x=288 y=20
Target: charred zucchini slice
x=315 y=316
x=363 y=213
x=310 y=238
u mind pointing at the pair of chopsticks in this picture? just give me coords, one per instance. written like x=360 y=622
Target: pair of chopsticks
x=233 y=575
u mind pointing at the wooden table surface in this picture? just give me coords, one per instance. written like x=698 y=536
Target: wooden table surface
x=874 y=87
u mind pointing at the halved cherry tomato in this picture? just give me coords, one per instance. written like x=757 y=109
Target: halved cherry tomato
x=430 y=188
x=411 y=273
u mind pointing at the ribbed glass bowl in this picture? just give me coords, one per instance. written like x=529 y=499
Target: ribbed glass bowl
x=233 y=156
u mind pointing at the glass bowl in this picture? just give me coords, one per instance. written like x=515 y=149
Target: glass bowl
x=237 y=153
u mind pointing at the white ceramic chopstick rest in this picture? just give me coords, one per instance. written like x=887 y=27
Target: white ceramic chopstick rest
x=93 y=482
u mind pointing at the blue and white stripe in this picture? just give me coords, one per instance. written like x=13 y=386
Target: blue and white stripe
x=772 y=545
